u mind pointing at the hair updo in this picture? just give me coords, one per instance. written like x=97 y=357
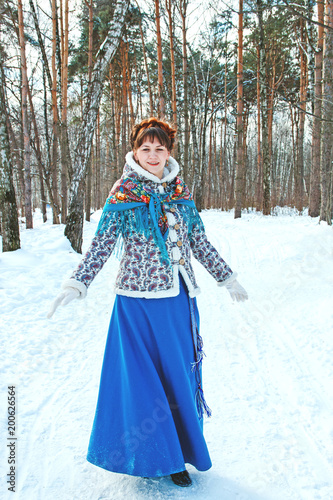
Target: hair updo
x=151 y=129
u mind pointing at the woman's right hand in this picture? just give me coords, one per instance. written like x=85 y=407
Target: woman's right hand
x=63 y=299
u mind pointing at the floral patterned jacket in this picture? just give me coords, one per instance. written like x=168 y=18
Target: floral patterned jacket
x=142 y=272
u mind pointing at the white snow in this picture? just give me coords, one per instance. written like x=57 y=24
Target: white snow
x=267 y=374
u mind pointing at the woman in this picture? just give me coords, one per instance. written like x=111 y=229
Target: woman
x=149 y=415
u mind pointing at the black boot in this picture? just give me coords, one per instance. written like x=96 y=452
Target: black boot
x=181 y=478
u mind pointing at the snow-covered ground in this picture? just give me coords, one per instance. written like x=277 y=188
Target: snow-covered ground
x=268 y=372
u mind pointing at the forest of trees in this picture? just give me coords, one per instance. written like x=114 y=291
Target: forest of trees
x=249 y=86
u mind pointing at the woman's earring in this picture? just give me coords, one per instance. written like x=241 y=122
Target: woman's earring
x=167 y=163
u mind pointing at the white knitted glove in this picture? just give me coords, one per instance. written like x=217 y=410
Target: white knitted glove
x=236 y=291
x=64 y=298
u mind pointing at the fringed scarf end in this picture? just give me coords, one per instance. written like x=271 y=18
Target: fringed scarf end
x=106 y=220
x=199 y=354
x=202 y=407
x=197 y=364
x=192 y=217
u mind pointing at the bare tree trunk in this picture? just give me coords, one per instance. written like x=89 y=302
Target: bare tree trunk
x=259 y=197
x=314 y=201
x=231 y=200
x=216 y=183
x=240 y=168
x=327 y=133
x=292 y=118
x=124 y=103
x=38 y=154
x=209 y=169
x=183 y=12
x=115 y=125
x=74 y=225
x=47 y=169
x=299 y=177
x=168 y=5
x=98 y=163
x=264 y=114
x=159 y=60
x=88 y=189
x=64 y=143
x=222 y=180
x=25 y=121
x=128 y=85
x=89 y=4
x=223 y=169
x=245 y=126
x=273 y=83
x=151 y=105
x=195 y=148
x=8 y=209
x=15 y=152
x=54 y=166
x=138 y=111
x=201 y=179
x=65 y=154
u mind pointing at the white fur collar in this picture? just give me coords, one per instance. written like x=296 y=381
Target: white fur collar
x=169 y=173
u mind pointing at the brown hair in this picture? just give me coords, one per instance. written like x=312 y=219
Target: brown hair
x=153 y=128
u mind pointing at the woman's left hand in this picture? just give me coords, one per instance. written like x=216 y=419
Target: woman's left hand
x=236 y=291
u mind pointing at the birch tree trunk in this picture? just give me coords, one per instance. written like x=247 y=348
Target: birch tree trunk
x=240 y=167
x=314 y=201
x=8 y=209
x=74 y=225
x=55 y=123
x=25 y=120
x=327 y=133
x=89 y=5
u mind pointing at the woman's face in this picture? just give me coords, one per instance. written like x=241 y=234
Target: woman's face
x=152 y=157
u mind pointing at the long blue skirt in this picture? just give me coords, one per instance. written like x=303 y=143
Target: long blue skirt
x=146 y=421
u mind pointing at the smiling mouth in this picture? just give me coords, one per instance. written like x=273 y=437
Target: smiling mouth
x=152 y=164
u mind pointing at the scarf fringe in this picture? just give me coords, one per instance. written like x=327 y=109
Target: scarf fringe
x=138 y=220
x=128 y=221
x=201 y=405
x=199 y=352
x=192 y=218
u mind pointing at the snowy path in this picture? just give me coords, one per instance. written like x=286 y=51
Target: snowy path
x=268 y=373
